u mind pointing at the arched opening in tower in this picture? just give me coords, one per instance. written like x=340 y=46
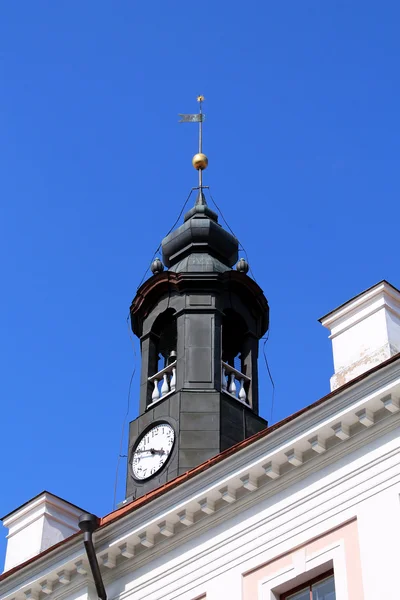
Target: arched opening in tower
x=163 y=356
x=233 y=340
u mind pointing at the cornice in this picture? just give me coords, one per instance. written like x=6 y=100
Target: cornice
x=340 y=504
x=231 y=560
x=170 y=282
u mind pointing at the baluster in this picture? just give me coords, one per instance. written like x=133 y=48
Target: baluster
x=165 y=385
x=173 y=379
x=242 y=391
x=223 y=382
x=232 y=385
x=156 y=392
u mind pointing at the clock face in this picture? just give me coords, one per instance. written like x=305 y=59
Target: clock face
x=152 y=451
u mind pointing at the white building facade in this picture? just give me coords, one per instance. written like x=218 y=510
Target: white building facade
x=307 y=508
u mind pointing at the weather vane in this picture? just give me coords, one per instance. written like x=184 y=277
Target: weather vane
x=200 y=160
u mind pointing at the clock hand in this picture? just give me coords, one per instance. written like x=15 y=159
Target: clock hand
x=152 y=451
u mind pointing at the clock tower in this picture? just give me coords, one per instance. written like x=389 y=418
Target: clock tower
x=199 y=323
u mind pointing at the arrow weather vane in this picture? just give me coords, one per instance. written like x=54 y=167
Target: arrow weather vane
x=200 y=160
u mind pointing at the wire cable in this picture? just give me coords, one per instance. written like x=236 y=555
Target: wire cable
x=159 y=246
x=241 y=247
x=253 y=276
x=220 y=212
x=120 y=455
x=270 y=376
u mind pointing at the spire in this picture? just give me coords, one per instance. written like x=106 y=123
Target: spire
x=201 y=199
x=201 y=209
x=199 y=160
x=200 y=244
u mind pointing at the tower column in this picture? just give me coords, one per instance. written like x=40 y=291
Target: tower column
x=199 y=347
x=148 y=350
x=249 y=365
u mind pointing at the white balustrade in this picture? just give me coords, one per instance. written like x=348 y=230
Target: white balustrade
x=242 y=391
x=156 y=392
x=172 y=382
x=235 y=383
x=232 y=384
x=164 y=382
x=165 y=385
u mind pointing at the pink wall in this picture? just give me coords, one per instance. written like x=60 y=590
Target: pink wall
x=346 y=533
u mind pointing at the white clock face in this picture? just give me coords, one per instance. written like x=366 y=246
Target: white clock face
x=152 y=451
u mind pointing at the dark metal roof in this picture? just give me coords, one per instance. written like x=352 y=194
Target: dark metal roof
x=200 y=244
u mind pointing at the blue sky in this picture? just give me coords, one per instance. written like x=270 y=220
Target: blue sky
x=303 y=140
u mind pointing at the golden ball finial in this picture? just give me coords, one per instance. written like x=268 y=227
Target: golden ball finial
x=200 y=161
x=200 y=98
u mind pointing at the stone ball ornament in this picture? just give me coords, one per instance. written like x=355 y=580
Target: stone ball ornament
x=200 y=161
x=242 y=266
x=157 y=266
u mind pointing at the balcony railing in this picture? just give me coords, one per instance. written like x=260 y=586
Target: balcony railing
x=235 y=383
x=164 y=382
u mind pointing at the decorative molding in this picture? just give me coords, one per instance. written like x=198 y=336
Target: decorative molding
x=319 y=517
x=341 y=431
x=186 y=517
x=227 y=561
x=46 y=586
x=228 y=494
x=330 y=554
x=294 y=457
x=207 y=506
x=272 y=470
x=317 y=444
x=250 y=482
x=249 y=458
x=352 y=480
x=166 y=528
x=64 y=576
x=127 y=550
x=146 y=539
x=31 y=594
x=108 y=559
x=365 y=417
x=80 y=567
x=390 y=403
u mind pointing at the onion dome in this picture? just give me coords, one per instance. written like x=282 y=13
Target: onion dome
x=200 y=244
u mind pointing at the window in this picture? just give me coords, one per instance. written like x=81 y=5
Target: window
x=320 y=588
